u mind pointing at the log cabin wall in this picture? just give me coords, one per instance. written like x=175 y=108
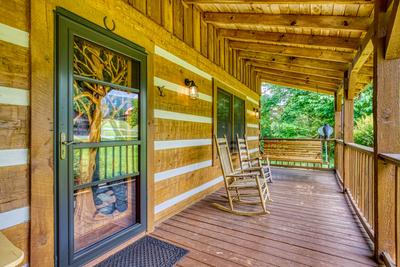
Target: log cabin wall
x=14 y=122
x=179 y=44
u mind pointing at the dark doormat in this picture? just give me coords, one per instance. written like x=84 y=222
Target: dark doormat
x=146 y=252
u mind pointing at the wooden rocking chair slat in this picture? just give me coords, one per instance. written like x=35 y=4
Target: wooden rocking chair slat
x=238 y=181
x=247 y=161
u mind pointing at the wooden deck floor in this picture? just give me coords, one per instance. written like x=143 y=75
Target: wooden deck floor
x=310 y=224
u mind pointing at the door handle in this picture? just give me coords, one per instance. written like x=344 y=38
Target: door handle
x=63 y=145
x=67 y=143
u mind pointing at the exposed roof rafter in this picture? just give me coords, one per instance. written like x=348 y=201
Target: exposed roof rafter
x=292 y=21
x=302 y=76
x=338 y=75
x=294 y=61
x=279 y=1
x=267 y=78
x=294 y=51
x=349 y=44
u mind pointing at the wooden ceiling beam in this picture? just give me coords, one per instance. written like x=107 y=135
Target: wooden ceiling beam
x=364 y=52
x=349 y=44
x=295 y=61
x=235 y=2
x=359 y=24
x=393 y=36
x=294 y=51
x=337 y=75
x=298 y=79
x=303 y=76
x=266 y=78
x=362 y=56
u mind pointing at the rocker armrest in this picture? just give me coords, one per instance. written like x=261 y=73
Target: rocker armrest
x=239 y=175
x=10 y=255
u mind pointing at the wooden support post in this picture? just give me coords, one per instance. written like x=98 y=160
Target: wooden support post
x=348 y=125
x=338 y=127
x=386 y=134
x=338 y=115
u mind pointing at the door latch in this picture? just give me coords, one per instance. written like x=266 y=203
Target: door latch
x=63 y=146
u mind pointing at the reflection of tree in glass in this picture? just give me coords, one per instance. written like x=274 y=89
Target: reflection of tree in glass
x=133 y=113
x=101 y=64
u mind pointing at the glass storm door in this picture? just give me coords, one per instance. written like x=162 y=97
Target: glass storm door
x=101 y=140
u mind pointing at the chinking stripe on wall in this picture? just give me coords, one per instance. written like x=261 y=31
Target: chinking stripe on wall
x=15 y=97
x=176 y=144
x=173 y=201
x=13 y=35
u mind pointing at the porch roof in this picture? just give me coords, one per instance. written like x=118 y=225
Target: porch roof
x=304 y=44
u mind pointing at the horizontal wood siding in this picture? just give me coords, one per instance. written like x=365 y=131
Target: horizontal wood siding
x=180 y=169
x=15 y=122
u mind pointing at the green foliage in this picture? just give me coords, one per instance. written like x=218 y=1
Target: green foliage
x=364 y=131
x=363 y=120
x=292 y=113
x=363 y=103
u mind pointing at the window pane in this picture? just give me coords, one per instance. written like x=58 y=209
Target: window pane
x=239 y=117
x=104 y=209
x=224 y=116
x=97 y=164
x=97 y=62
x=102 y=113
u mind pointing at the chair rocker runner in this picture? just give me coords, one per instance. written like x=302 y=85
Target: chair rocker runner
x=241 y=185
x=246 y=161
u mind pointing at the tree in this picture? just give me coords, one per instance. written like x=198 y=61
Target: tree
x=292 y=113
x=363 y=120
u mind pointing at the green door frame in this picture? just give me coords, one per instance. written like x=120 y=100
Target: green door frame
x=68 y=25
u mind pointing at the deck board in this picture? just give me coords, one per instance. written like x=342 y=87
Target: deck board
x=310 y=224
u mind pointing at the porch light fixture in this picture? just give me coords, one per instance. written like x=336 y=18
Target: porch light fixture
x=193 y=90
x=256 y=113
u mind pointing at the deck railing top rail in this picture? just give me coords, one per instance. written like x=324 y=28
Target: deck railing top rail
x=392 y=158
x=365 y=149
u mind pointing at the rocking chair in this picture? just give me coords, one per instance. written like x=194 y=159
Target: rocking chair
x=250 y=180
x=246 y=161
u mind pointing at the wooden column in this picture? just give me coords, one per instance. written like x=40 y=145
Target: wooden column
x=387 y=135
x=338 y=127
x=338 y=116
x=348 y=125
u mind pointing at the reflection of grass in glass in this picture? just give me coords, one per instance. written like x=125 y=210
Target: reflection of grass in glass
x=112 y=162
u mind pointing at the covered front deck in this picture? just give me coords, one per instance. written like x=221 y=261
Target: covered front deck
x=311 y=224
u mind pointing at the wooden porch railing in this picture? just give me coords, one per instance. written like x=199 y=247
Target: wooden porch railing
x=358 y=174
x=392 y=162
x=354 y=168
x=359 y=181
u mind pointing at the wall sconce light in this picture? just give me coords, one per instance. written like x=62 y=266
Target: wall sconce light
x=193 y=90
x=256 y=113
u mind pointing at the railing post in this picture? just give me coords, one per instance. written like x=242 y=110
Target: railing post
x=386 y=134
x=348 y=125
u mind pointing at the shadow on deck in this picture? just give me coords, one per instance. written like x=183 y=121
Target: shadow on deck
x=310 y=224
